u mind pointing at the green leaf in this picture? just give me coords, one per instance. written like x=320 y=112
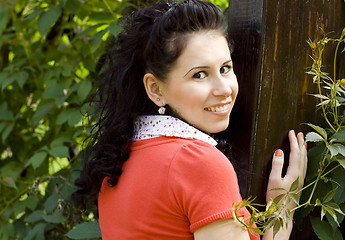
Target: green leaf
x=8 y=129
x=9 y=181
x=341 y=162
x=340 y=148
x=4 y=17
x=5 y=114
x=322 y=229
x=35 y=216
x=52 y=92
x=84 y=89
x=37 y=232
x=278 y=224
x=329 y=196
x=295 y=197
x=294 y=185
x=59 y=151
x=31 y=202
x=36 y=160
x=7 y=81
x=97 y=39
x=48 y=19
x=85 y=230
x=21 y=78
x=114 y=28
x=73 y=6
x=42 y=112
x=74 y=117
x=339 y=136
x=313 y=137
x=333 y=149
x=54 y=218
x=277 y=199
x=318 y=129
x=51 y=203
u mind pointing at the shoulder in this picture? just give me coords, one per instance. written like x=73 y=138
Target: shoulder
x=195 y=154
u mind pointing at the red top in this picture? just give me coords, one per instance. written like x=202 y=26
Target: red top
x=169 y=188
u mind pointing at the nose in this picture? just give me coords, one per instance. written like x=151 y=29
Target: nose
x=222 y=87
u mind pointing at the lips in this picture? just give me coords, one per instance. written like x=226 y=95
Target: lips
x=219 y=108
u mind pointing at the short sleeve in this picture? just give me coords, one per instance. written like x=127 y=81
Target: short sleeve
x=203 y=184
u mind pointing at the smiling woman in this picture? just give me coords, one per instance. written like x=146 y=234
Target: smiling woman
x=166 y=83
x=202 y=87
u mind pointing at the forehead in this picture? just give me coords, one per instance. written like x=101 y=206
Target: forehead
x=204 y=47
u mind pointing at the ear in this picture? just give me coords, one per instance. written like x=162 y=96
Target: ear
x=153 y=88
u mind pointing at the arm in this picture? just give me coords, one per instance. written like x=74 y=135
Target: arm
x=229 y=229
x=222 y=230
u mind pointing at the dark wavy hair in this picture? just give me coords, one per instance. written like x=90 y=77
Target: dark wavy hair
x=151 y=41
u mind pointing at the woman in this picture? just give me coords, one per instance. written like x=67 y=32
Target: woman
x=167 y=84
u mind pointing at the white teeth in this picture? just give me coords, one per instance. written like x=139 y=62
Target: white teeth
x=219 y=108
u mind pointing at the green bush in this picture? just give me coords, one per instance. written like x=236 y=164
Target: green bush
x=48 y=55
x=49 y=51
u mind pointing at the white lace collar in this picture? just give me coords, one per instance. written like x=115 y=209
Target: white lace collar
x=151 y=126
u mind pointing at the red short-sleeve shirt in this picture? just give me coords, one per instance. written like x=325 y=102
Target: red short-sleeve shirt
x=170 y=187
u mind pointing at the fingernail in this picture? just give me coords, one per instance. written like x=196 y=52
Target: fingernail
x=278 y=153
x=302 y=135
x=293 y=131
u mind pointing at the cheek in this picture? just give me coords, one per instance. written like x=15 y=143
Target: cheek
x=187 y=98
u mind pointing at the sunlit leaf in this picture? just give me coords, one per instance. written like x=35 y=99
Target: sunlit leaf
x=318 y=129
x=313 y=137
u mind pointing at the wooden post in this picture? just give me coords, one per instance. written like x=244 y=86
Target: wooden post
x=271 y=57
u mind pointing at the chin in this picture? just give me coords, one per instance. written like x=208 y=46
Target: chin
x=219 y=128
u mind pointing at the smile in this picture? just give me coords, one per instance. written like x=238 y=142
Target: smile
x=220 y=108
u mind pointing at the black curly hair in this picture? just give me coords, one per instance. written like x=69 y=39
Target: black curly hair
x=151 y=41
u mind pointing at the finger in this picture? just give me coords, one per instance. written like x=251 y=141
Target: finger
x=301 y=142
x=294 y=144
x=303 y=151
x=295 y=153
x=277 y=164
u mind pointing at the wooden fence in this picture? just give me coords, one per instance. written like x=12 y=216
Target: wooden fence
x=271 y=57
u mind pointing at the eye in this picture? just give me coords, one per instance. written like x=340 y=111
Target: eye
x=225 y=69
x=199 y=75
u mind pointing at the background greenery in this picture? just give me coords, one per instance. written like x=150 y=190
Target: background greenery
x=48 y=55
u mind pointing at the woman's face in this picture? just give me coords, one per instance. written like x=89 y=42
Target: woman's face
x=202 y=87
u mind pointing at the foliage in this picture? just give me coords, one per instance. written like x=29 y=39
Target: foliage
x=324 y=190
x=48 y=55
x=326 y=175
x=49 y=51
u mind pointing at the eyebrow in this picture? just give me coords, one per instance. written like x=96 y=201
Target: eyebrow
x=203 y=67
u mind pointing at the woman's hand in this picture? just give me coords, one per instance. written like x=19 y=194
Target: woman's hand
x=297 y=166
x=297 y=169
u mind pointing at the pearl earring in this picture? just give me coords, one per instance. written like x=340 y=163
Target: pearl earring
x=161 y=110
